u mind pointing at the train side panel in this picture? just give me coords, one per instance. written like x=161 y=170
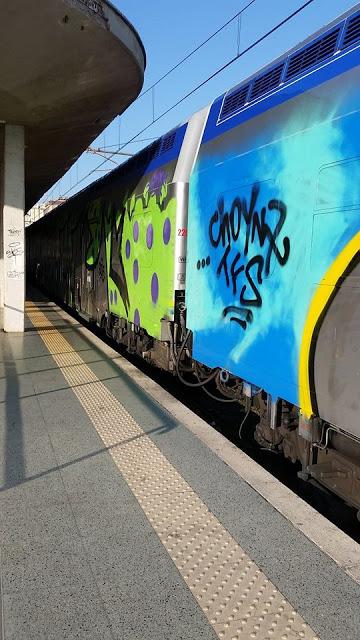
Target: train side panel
x=119 y=247
x=121 y=233
x=139 y=231
x=273 y=291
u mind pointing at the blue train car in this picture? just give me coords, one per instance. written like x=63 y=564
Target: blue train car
x=273 y=274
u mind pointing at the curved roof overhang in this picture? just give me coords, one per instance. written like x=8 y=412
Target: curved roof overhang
x=67 y=68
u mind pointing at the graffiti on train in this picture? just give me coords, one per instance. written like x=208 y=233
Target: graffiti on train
x=245 y=237
x=138 y=238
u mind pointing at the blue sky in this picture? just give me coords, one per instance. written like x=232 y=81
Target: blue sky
x=169 y=34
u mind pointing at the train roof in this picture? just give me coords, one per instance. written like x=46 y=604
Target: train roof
x=242 y=101
x=163 y=150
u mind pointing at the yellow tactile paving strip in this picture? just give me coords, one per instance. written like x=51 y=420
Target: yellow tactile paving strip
x=235 y=595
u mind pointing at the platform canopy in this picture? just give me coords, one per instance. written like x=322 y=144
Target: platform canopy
x=67 y=67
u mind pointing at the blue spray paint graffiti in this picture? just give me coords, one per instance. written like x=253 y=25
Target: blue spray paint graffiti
x=259 y=243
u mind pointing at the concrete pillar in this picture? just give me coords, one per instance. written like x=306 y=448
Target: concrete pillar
x=13 y=229
x=2 y=137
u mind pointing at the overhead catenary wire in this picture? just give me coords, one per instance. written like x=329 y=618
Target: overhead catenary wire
x=110 y=146
x=197 y=48
x=196 y=88
x=165 y=75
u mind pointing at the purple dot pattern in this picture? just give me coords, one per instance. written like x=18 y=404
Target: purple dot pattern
x=130 y=251
x=136 y=271
x=136 y=231
x=166 y=231
x=149 y=236
x=154 y=288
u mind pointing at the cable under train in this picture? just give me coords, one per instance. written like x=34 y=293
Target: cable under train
x=228 y=252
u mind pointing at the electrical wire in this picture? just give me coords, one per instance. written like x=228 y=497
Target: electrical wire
x=225 y=400
x=196 y=384
x=200 y=383
x=214 y=397
x=178 y=64
x=109 y=146
x=242 y=424
x=201 y=84
x=185 y=382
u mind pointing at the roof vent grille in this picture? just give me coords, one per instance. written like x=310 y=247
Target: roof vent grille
x=266 y=82
x=352 y=32
x=146 y=155
x=314 y=53
x=153 y=151
x=234 y=101
x=168 y=142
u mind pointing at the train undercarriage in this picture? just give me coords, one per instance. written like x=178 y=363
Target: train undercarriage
x=327 y=455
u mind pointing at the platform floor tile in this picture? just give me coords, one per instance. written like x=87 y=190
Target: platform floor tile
x=237 y=598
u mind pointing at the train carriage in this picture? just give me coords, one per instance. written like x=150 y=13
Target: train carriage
x=273 y=279
x=116 y=252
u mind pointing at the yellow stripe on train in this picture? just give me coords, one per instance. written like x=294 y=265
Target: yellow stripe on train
x=317 y=306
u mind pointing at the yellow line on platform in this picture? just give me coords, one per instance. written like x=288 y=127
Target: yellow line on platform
x=236 y=597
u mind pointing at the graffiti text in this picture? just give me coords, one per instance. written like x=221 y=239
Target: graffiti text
x=238 y=231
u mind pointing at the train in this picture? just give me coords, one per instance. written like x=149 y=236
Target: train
x=227 y=252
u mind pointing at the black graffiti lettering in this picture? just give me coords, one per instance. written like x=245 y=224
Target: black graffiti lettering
x=216 y=217
x=246 y=315
x=248 y=224
x=224 y=266
x=103 y=228
x=248 y=214
x=242 y=323
x=117 y=271
x=257 y=300
x=213 y=220
x=235 y=218
x=224 y=228
x=260 y=229
x=235 y=272
x=282 y=259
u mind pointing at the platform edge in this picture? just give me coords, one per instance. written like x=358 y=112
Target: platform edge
x=333 y=542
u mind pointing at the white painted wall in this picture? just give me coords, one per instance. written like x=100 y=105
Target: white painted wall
x=12 y=229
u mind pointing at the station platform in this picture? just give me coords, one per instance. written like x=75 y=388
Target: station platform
x=121 y=517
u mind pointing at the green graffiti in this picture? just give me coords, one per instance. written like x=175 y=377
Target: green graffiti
x=139 y=250
x=94 y=225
